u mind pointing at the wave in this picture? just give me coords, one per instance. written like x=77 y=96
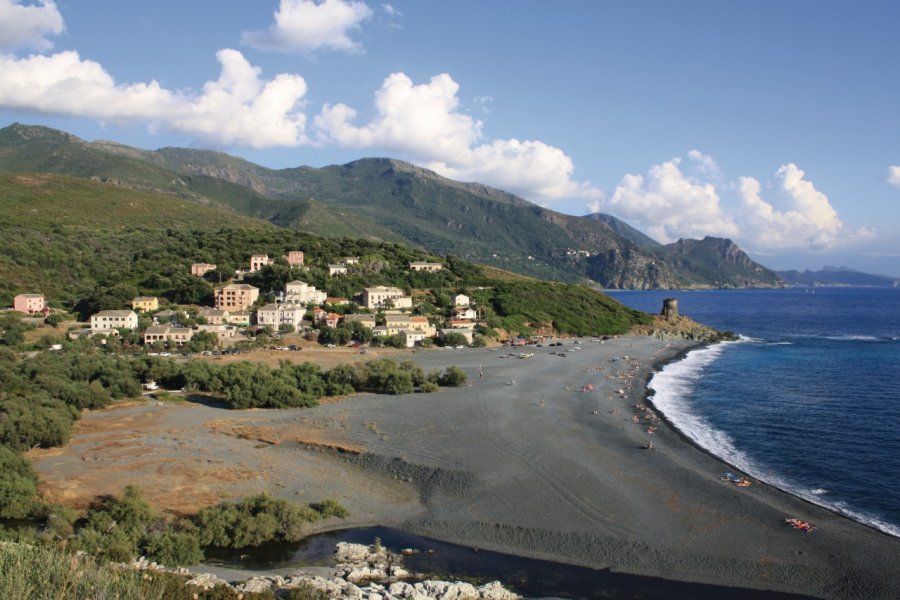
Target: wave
x=848 y=337
x=671 y=389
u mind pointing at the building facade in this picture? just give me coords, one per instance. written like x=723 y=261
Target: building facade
x=114 y=319
x=236 y=296
x=28 y=303
x=201 y=269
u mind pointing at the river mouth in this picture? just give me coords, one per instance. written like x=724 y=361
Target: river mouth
x=441 y=560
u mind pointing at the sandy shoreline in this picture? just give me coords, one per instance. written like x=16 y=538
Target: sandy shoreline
x=523 y=461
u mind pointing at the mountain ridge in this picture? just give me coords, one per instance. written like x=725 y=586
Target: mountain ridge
x=393 y=200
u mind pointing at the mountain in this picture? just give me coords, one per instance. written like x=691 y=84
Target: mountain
x=837 y=276
x=719 y=261
x=386 y=199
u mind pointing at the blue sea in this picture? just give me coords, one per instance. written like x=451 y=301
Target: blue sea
x=807 y=400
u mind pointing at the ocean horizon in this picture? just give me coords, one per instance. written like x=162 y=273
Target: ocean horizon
x=807 y=399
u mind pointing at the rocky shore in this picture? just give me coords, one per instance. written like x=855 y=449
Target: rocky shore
x=362 y=573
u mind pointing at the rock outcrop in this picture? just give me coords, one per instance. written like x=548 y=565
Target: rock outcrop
x=362 y=573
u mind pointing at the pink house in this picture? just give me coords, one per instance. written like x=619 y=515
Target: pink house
x=332 y=319
x=28 y=303
x=295 y=258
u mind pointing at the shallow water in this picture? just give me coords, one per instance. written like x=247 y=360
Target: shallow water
x=808 y=400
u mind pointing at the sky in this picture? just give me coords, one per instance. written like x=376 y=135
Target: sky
x=775 y=124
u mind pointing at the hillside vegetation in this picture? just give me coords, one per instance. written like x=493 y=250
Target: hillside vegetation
x=386 y=199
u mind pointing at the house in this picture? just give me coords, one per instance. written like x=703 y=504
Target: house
x=222 y=332
x=213 y=316
x=467 y=333
x=460 y=300
x=294 y=258
x=396 y=323
x=167 y=333
x=145 y=303
x=366 y=320
x=236 y=296
x=258 y=261
x=422 y=324
x=350 y=260
x=383 y=296
x=318 y=314
x=114 y=319
x=337 y=269
x=165 y=315
x=276 y=315
x=238 y=317
x=332 y=319
x=425 y=266
x=298 y=292
x=412 y=337
x=201 y=269
x=464 y=312
x=460 y=324
x=29 y=303
x=380 y=331
x=332 y=301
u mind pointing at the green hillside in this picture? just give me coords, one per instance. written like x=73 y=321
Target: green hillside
x=386 y=199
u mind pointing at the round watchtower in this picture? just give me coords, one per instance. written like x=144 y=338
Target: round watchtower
x=670 y=308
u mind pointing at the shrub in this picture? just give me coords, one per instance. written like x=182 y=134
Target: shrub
x=18 y=486
x=453 y=377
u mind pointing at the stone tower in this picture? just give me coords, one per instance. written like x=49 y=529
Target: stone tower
x=670 y=308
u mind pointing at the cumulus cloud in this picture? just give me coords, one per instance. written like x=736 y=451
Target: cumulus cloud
x=307 y=25
x=787 y=212
x=668 y=205
x=29 y=26
x=424 y=123
x=705 y=165
x=894 y=176
x=238 y=108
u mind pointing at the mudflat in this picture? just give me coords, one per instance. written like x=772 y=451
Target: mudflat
x=544 y=456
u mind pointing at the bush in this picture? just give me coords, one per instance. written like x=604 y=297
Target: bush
x=259 y=519
x=18 y=486
x=453 y=377
x=173 y=548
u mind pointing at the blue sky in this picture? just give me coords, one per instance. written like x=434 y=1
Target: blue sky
x=776 y=124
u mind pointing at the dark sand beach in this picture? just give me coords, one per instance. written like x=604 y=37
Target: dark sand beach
x=539 y=457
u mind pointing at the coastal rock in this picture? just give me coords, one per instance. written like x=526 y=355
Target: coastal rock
x=345 y=552
x=255 y=585
x=443 y=590
x=495 y=591
x=205 y=581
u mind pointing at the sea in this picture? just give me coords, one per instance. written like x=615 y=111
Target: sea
x=808 y=398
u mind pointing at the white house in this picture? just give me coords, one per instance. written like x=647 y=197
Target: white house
x=382 y=296
x=460 y=300
x=299 y=292
x=412 y=337
x=114 y=319
x=276 y=315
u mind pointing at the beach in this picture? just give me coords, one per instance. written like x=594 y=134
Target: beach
x=543 y=456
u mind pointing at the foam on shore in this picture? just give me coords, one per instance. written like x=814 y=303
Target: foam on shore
x=671 y=389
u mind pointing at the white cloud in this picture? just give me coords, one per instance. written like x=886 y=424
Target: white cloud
x=29 y=26
x=424 y=123
x=307 y=25
x=894 y=176
x=705 y=165
x=391 y=10
x=236 y=109
x=668 y=205
x=788 y=213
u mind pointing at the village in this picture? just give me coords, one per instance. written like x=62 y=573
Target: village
x=243 y=315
